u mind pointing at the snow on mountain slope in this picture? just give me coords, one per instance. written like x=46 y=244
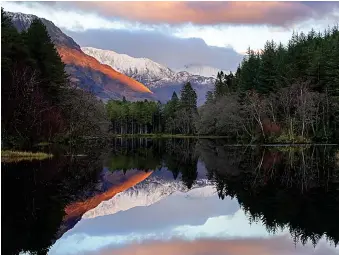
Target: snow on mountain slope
x=149 y=192
x=201 y=70
x=129 y=65
x=150 y=73
x=162 y=80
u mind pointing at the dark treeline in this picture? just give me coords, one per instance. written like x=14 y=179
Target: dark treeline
x=39 y=104
x=282 y=94
x=143 y=117
x=293 y=188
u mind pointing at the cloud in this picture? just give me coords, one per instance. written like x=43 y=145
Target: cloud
x=239 y=24
x=207 y=13
x=272 y=246
x=165 y=49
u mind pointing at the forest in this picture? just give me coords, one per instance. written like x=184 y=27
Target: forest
x=39 y=104
x=280 y=94
x=142 y=117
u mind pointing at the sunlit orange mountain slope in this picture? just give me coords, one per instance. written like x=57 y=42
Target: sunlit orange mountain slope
x=79 y=208
x=77 y=57
x=84 y=70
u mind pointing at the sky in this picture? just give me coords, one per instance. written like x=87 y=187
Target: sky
x=179 y=33
x=192 y=223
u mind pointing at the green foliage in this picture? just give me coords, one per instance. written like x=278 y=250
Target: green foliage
x=134 y=117
x=145 y=117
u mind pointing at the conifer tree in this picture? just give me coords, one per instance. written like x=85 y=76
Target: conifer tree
x=48 y=61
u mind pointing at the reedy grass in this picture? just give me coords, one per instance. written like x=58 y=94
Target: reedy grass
x=16 y=156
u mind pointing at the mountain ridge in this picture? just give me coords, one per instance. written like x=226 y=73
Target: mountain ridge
x=150 y=191
x=85 y=70
x=152 y=73
x=113 y=75
x=162 y=80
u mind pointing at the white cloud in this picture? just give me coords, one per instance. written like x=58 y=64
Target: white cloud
x=238 y=37
x=71 y=20
x=241 y=37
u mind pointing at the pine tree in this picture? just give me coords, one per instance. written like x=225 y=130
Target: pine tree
x=267 y=69
x=170 y=111
x=248 y=78
x=188 y=108
x=219 y=85
x=209 y=97
x=174 y=97
x=188 y=97
x=48 y=61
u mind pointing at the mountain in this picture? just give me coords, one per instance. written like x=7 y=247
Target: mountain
x=148 y=192
x=86 y=71
x=138 y=68
x=109 y=185
x=201 y=70
x=160 y=79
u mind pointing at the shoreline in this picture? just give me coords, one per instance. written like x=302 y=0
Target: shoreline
x=159 y=136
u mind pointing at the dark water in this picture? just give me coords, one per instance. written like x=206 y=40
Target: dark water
x=176 y=196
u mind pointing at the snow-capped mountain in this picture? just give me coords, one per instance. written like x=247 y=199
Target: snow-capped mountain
x=160 y=79
x=201 y=70
x=143 y=68
x=148 y=192
x=151 y=73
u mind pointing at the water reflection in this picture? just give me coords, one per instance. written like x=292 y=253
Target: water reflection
x=158 y=196
x=35 y=195
x=296 y=188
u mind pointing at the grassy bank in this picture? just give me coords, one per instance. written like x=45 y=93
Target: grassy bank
x=16 y=156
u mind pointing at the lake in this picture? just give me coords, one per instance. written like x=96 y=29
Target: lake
x=173 y=196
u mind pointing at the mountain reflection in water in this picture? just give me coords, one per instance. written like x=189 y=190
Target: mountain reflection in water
x=177 y=196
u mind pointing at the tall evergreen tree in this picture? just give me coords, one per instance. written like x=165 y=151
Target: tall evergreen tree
x=48 y=61
x=219 y=85
x=267 y=69
x=209 y=97
x=188 y=97
x=188 y=108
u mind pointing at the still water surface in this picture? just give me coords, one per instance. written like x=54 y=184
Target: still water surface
x=178 y=196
